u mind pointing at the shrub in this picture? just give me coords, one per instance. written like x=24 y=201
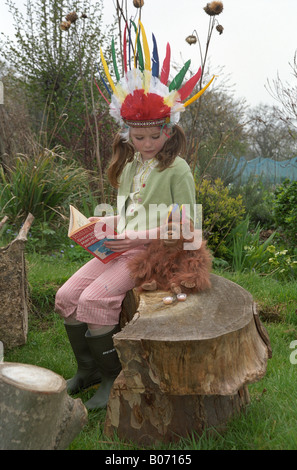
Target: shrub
x=281 y=264
x=258 y=202
x=285 y=210
x=40 y=185
x=246 y=249
x=221 y=212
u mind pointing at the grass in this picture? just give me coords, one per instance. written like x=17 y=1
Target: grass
x=270 y=420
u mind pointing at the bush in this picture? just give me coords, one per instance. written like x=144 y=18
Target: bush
x=221 y=212
x=258 y=202
x=246 y=249
x=41 y=185
x=285 y=210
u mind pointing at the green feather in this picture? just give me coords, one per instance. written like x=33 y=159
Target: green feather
x=178 y=79
x=116 y=71
x=139 y=49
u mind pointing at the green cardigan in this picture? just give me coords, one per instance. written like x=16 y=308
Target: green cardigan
x=174 y=185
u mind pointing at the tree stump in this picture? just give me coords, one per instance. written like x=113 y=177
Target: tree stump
x=14 y=290
x=36 y=413
x=186 y=366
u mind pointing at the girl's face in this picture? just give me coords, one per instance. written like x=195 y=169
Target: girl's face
x=148 y=141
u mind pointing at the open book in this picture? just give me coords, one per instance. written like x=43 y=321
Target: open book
x=91 y=235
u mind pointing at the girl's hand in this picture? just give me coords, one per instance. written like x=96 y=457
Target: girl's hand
x=128 y=241
x=94 y=219
x=123 y=243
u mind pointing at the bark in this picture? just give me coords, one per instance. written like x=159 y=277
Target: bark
x=14 y=290
x=186 y=366
x=36 y=413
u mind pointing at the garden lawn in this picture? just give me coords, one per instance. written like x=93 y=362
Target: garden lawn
x=270 y=421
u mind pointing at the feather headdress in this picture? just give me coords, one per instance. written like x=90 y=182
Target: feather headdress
x=143 y=97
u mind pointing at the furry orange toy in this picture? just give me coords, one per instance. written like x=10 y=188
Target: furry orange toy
x=166 y=265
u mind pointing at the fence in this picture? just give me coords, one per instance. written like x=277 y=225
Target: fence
x=266 y=169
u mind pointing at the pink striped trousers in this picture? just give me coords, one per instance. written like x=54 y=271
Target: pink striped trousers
x=94 y=294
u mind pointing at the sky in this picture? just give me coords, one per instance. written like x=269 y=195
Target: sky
x=258 y=42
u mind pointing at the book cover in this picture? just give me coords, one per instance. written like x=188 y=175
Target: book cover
x=91 y=235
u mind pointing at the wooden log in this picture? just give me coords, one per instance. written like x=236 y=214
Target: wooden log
x=36 y=413
x=129 y=307
x=14 y=290
x=186 y=366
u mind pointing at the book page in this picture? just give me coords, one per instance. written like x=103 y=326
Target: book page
x=77 y=220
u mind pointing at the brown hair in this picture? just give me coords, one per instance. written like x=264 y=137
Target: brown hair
x=123 y=152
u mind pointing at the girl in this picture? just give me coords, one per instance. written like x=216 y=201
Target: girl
x=148 y=169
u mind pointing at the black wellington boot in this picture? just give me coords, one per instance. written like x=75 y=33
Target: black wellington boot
x=88 y=373
x=104 y=353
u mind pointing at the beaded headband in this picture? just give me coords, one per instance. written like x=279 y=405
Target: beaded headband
x=143 y=97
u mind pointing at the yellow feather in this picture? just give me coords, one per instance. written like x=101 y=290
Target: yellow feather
x=170 y=99
x=146 y=81
x=195 y=97
x=107 y=71
x=120 y=92
x=147 y=64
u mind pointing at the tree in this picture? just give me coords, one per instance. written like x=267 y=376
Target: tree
x=286 y=97
x=269 y=136
x=53 y=56
x=217 y=132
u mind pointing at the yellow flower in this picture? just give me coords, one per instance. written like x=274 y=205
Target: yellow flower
x=271 y=249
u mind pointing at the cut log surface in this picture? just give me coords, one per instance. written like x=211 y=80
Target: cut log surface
x=36 y=413
x=186 y=366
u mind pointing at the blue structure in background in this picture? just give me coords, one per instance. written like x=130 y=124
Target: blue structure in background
x=266 y=169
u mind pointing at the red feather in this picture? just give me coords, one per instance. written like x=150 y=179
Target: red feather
x=125 y=48
x=166 y=66
x=188 y=87
x=140 y=106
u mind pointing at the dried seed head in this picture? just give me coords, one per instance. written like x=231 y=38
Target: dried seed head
x=138 y=3
x=191 y=39
x=72 y=17
x=214 y=8
x=220 y=28
x=65 y=25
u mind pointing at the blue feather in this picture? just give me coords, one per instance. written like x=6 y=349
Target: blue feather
x=104 y=82
x=155 y=59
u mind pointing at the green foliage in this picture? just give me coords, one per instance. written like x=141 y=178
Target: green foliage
x=246 y=250
x=41 y=185
x=281 y=264
x=285 y=210
x=221 y=212
x=258 y=201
